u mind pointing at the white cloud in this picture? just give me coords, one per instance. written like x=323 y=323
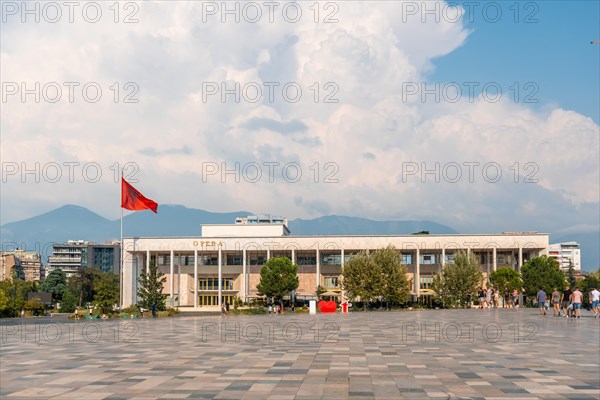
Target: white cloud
x=366 y=136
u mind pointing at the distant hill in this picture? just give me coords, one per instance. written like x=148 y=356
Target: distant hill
x=71 y=222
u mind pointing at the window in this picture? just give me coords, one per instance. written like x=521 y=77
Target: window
x=234 y=259
x=348 y=255
x=428 y=259
x=212 y=300
x=281 y=255
x=164 y=260
x=209 y=260
x=331 y=259
x=213 y=284
x=426 y=282
x=503 y=258
x=257 y=260
x=306 y=260
x=407 y=258
x=330 y=282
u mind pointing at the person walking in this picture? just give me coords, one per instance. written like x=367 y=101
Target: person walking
x=515 y=298
x=577 y=298
x=489 y=297
x=565 y=299
x=481 y=298
x=595 y=301
x=506 y=298
x=556 y=302
x=293 y=308
x=469 y=295
x=541 y=301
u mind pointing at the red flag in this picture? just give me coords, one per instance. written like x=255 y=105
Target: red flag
x=131 y=199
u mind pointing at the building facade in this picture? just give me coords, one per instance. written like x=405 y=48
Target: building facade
x=567 y=254
x=77 y=254
x=27 y=265
x=225 y=261
x=9 y=264
x=31 y=263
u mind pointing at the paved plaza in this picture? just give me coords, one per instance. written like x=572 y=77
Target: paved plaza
x=438 y=354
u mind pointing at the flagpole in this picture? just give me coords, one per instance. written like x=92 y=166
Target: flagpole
x=121 y=253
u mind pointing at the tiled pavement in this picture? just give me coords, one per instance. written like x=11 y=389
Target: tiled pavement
x=441 y=354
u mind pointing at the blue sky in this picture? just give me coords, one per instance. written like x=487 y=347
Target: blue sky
x=554 y=52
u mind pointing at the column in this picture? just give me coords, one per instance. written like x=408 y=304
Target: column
x=195 y=277
x=520 y=258
x=318 y=268
x=136 y=271
x=494 y=258
x=147 y=261
x=268 y=254
x=443 y=258
x=244 y=276
x=418 y=273
x=293 y=255
x=220 y=278
x=179 y=280
x=342 y=278
x=172 y=278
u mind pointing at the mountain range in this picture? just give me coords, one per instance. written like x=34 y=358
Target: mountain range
x=71 y=222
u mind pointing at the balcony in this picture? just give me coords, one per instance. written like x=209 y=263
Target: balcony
x=64 y=260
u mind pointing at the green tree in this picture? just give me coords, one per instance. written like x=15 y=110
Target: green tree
x=395 y=284
x=571 y=275
x=506 y=278
x=456 y=279
x=362 y=278
x=55 y=283
x=83 y=283
x=16 y=290
x=34 y=306
x=151 y=286
x=69 y=301
x=107 y=292
x=542 y=272
x=3 y=301
x=278 y=277
x=590 y=282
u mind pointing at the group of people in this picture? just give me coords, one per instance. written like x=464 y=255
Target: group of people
x=274 y=310
x=225 y=308
x=569 y=302
x=490 y=298
x=278 y=309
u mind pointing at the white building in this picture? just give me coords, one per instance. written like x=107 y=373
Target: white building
x=225 y=261
x=567 y=254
